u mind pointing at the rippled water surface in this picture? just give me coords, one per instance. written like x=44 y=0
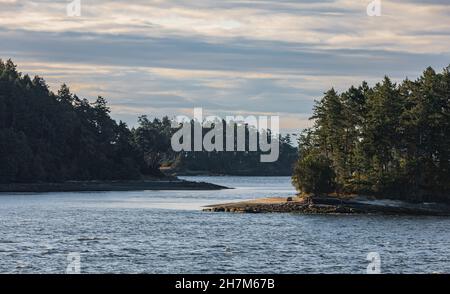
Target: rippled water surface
x=166 y=232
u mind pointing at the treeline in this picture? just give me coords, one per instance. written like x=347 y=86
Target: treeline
x=54 y=137
x=47 y=137
x=239 y=163
x=391 y=140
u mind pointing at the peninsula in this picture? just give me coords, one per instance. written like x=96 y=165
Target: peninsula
x=97 y=186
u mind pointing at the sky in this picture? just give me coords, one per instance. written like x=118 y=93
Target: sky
x=254 y=57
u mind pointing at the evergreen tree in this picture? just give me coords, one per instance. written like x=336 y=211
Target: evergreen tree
x=390 y=140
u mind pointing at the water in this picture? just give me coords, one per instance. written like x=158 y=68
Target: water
x=165 y=232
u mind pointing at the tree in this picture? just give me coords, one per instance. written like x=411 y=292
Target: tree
x=390 y=140
x=56 y=137
x=152 y=139
x=313 y=175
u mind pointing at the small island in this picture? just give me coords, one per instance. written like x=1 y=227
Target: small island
x=390 y=142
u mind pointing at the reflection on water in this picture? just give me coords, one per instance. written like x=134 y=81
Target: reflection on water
x=165 y=232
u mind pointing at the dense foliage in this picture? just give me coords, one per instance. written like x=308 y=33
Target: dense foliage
x=56 y=137
x=48 y=137
x=243 y=163
x=390 y=140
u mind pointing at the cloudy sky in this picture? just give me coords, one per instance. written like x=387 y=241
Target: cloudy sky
x=229 y=57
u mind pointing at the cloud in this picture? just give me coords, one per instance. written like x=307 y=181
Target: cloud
x=328 y=24
x=253 y=56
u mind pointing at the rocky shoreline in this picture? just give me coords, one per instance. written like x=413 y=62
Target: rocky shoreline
x=98 y=186
x=332 y=205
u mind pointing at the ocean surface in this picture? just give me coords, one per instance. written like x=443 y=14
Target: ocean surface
x=166 y=232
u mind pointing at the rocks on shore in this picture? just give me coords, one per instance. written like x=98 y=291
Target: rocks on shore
x=330 y=205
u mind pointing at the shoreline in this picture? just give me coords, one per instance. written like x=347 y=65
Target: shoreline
x=237 y=173
x=331 y=205
x=105 y=186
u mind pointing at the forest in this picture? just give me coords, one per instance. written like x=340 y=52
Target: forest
x=391 y=140
x=239 y=163
x=56 y=137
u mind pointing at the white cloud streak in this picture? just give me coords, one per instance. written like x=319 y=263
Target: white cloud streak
x=254 y=56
